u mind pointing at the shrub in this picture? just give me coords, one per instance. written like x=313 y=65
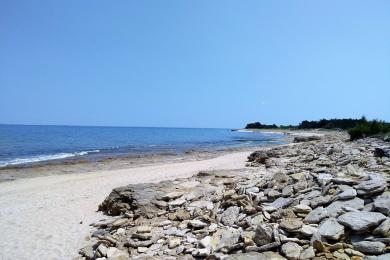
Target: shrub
x=345 y=123
x=259 y=125
x=368 y=128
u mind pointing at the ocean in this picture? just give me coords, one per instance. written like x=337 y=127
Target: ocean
x=24 y=144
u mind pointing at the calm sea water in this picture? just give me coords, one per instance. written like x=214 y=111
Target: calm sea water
x=21 y=144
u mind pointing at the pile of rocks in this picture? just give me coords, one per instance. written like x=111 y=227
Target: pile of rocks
x=322 y=199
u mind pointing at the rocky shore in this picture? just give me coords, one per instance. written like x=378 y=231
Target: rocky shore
x=323 y=197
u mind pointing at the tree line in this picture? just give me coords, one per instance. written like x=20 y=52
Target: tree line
x=357 y=128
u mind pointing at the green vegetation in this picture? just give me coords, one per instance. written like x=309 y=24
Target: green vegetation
x=357 y=128
x=322 y=124
x=330 y=124
x=258 y=125
x=368 y=128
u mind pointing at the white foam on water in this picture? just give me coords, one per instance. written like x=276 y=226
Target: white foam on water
x=41 y=158
x=244 y=131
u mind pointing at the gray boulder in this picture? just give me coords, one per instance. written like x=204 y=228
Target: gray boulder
x=324 y=178
x=383 y=228
x=361 y=221
x=320 y=201
x=308 y=253
x=331 y=229
x=256 y=256
x=336 y=208
x=288 y=191
x=291 y=250
x=347 y=194
x=273 y=194
x=369 y=247
x=308 y=230
x=375 y=184
x=316 y=215
x=263 y=234
x=223 y=238
x=311 y=195
x=229 y=216
x=382 y=203
x=281 y=203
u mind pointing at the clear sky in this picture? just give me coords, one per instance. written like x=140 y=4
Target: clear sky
x=192 y=63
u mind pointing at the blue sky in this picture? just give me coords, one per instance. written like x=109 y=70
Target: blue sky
x=192 y=63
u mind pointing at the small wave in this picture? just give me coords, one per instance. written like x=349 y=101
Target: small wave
x=245 y=141
x=244 y=131
x=41 y=158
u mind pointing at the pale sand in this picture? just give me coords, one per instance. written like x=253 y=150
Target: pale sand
x=40 y=217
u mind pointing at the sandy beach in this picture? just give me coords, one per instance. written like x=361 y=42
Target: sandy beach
x=48 y=217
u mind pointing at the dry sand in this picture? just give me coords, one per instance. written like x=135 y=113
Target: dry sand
x=40 y=217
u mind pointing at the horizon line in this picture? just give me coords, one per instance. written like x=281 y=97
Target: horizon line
x=118 y=126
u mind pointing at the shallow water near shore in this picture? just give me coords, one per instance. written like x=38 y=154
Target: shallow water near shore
x=22 y=145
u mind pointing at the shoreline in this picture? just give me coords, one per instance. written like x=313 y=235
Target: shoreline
x=49 y=216
x=43 y=146
x=81 y=166
x=84 y=164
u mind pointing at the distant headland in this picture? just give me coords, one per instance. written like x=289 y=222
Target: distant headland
x=357 y=128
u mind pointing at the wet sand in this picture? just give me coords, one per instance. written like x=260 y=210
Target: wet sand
x=83 y=165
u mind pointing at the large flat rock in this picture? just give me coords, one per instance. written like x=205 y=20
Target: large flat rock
x=361 y=221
